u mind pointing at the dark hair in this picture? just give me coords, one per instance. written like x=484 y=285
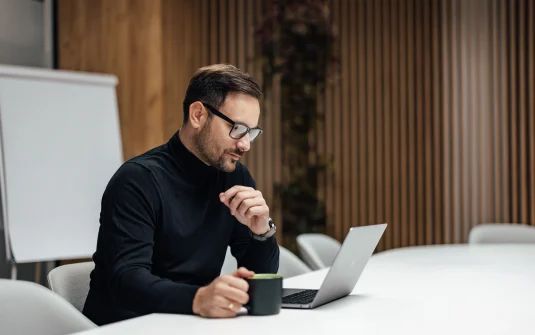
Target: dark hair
x=211 y=84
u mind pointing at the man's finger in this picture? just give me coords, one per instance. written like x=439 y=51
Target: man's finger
x=225 y=308
x=236 y=296
x=222 y=313
x=256 y=211
x=243 y=273
x=237 y=281
x=231 y=192
x=239 y=197
x=248 y=204
x=229 y=304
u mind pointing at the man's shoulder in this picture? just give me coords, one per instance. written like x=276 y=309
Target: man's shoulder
x=145 y=165
x=139 y=169
x=133 y=168
x=129 y=176
x=149 y=160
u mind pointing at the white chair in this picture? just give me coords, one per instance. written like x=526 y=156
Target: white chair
x=71 y=281
x=229 y=265
x=29 y=308
x=318 y=250
x=290 y=265
x=501 y=233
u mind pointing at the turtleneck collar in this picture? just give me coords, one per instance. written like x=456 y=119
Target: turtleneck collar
x=186 y=159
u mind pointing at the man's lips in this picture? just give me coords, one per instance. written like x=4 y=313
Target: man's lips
x=236 y=157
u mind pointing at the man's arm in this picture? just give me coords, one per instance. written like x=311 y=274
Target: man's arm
x=257 y=256
x=131 y=206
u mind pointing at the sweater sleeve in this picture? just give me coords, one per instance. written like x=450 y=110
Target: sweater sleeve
x=257 y=256
x=130 y=219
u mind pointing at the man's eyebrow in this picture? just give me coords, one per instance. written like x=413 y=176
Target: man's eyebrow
x=246 y=124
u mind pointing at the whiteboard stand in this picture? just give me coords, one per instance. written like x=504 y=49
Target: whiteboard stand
x=13 y=270
x=60 y=144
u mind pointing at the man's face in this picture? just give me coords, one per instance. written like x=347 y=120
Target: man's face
x=213 y=143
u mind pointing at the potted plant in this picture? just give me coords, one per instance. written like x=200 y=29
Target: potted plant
x=297 y=42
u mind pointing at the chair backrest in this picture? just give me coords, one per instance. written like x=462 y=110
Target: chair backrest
x=71 y=281
x=318 y=250
x=229 y=265
x=290 y=265
x=501 y=233
x=29 y=308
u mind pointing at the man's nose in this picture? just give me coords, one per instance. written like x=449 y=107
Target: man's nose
x=244 y=143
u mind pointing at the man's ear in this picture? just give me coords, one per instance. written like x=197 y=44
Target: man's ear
x=197 y=114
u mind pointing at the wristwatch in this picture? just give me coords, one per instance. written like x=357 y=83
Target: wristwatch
x=268 y=234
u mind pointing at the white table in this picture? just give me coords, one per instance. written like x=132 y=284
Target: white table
x=457 y=289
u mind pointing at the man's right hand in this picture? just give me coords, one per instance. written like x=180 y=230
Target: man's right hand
x=224 y=296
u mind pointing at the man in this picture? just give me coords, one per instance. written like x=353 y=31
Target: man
x=169 y=214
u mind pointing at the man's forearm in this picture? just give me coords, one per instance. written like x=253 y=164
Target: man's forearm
x=261 y=256
x=140 y=291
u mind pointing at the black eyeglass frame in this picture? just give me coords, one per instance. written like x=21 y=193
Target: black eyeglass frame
x=233 y=123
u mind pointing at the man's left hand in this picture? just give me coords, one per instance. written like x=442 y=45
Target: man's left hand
x=248 y=206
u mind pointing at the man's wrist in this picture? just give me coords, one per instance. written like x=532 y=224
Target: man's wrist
x=269 y=232
x=195 y=306
x=267 y=227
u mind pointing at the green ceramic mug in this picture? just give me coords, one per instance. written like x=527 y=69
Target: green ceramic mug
x=265 y=294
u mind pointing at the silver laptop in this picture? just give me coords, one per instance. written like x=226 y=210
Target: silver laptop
x=344 y=273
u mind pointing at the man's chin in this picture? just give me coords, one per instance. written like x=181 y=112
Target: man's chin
x=231 y=166
x=228 y=166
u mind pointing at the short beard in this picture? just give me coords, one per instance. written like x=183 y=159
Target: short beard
x=207 y=150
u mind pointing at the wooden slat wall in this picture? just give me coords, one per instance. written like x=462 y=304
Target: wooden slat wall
x=142 y=43
x=439 y=99
x=488 y=80
x=431 y=125
x=391 y=96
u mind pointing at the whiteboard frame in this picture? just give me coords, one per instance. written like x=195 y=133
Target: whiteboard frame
x=9 y=71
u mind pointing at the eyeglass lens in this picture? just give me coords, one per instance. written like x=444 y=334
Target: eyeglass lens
x=239 y=130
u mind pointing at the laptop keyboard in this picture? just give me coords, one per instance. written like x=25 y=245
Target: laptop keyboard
x=303 y=297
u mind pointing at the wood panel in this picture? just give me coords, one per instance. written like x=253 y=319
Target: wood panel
x=451 y=89
x=142 y=43
x=492 y=171
x=431 y=125
x=388 y=98
x=97 y=36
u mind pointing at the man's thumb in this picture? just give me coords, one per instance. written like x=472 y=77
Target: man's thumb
x=243 y=273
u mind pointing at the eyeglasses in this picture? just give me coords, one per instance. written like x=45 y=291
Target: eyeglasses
x=238 y=129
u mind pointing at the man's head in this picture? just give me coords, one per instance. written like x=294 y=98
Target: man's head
x=218 y=96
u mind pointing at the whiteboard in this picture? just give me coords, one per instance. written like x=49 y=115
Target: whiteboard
x=60 y=143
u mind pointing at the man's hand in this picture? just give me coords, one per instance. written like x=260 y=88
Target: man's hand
x=248 y=206
x=224 y=297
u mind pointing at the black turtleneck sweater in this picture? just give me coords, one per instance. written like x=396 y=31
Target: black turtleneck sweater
x=164 y=233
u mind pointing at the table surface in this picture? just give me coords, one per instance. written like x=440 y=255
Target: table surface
x=452 y=289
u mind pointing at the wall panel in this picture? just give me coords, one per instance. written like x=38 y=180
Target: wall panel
x=451 y=88
x=431 y=124
x=491 y=172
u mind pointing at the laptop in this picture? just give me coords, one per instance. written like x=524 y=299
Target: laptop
x=344 y=273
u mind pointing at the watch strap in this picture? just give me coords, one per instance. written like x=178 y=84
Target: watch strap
x=268 y=234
